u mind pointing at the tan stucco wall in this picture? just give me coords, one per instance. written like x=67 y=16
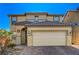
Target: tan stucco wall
x=30 y=29
x=75 y=35
x=33 y=16
x=50 y=18
x=68 y=16
x=13 y=28
x=18 y=34
x=50 y=28
x=21 y=18
x=61 y=19
x=18 y=40
x=30 y=17
x=40 y=17
x=72 y=16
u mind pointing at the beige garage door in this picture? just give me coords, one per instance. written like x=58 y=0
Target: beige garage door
x=49 y=38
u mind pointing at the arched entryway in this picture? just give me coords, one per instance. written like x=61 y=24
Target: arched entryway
x=24 y=36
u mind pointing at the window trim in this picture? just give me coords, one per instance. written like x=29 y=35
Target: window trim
x=55 y=19
x=14 y=20
x=36 y=18
x=61 y=18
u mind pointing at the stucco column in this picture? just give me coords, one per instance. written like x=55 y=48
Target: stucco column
x=18 y=34
x=29 y=38
x=69 y=38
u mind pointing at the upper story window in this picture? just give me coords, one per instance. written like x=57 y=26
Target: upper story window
x=13 y=20
x=56 y=18
x=36 y=18
x=61 y=19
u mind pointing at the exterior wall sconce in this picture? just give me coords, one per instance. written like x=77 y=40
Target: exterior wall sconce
x=18 y=31
x=70 y=33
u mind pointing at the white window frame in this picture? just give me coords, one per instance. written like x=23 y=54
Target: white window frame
x=56 y=18
x=14 y=19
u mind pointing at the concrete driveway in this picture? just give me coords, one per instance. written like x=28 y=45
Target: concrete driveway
x=45 y=50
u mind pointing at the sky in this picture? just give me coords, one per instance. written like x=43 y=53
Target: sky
x=21 y=8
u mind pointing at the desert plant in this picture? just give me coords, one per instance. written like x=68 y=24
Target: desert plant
x=4 y=38
x=11 y=45
x=4 y=33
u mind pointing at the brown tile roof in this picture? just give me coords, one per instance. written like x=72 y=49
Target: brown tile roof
x=47 y=23
x=35 y=13
x=55 y=15
x=16 y=15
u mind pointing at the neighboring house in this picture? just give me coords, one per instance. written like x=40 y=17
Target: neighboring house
x=43 y=29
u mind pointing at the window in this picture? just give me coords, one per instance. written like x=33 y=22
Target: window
x=13 y=20
x=41 y=20
x=36 y=18
x=61 y=19
x=56 y=18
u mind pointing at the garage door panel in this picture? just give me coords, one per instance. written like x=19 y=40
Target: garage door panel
x=48 y=42
x=49 y=38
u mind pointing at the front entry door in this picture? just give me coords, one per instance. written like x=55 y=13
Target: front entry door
x=23 y=37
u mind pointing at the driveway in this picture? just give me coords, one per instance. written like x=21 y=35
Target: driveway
x=45 y=50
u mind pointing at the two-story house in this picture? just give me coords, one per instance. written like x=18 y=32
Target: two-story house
x=43 y=29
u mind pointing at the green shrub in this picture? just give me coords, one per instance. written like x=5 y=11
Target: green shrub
x=11 y=45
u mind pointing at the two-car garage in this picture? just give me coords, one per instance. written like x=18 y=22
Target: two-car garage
x=49 y=38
